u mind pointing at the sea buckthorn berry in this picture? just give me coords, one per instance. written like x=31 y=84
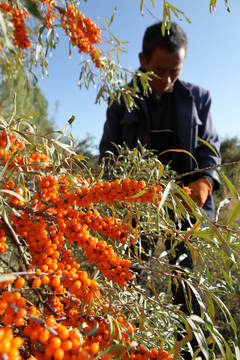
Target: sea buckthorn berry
x=19 y=283
x=3 y=306
x=17 y=342
x=66 y=345
x=50 y=322
x=55 y=342
x=45 y=279
x=5 y=346
x=58 y=354
x=21 y=313
x=94 y=348
x=36 y=283
x=55 y=281
x=38 y=272
x=74 y=334
x=43 y=336
x=63 y=332
x=21 y=302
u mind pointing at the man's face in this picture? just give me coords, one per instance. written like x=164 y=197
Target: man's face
x=166 y=65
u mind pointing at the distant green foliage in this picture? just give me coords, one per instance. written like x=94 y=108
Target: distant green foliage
x=17 y=91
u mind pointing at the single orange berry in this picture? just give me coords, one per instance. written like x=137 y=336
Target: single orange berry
x=45 y=279
x=58 y=354
x=94 y=348
x=43 y=336
x=19 y=283
x=36 y=283
x=55 y=281
x=21 y=313
x=63 y=332
x=17 y=342
x=38 y=272
x=67 y=345
x=55 y=342
x=50 y=322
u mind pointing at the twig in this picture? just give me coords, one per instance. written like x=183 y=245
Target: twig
x=16 y=240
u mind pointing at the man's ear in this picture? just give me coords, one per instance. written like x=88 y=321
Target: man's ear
x=142 y=60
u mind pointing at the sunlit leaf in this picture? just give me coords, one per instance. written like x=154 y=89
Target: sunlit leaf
x=32 y=8
x=232 y=189
x=234 y=213
x=7 y=277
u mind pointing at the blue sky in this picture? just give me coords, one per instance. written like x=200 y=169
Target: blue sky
x=213 y=62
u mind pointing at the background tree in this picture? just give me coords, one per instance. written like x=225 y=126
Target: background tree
x=18 y=93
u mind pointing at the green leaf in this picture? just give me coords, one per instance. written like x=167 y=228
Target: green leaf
x=234 y=213
x=141 y=7
x=211 y=147
x=112 y=348
x=23 y=136
x=229 y=185
x=10 y=192
x=227 y=252
x=32 y=8
x=165 y=194
x=181 y=151
x=4 y=30
x=140 y=193
x=199 y=337
x=160 y=167
x=7 y=277
x=71 y=120
x=4 y=169
x=93 y=330
x=113 y=15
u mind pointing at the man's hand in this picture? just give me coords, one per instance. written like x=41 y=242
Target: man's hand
x=200 y=190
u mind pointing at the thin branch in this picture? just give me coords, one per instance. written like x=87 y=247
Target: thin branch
x=17 y=242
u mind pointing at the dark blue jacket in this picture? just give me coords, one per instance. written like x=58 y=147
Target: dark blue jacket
x=193 y=118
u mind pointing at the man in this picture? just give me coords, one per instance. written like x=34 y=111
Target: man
x=172 y=117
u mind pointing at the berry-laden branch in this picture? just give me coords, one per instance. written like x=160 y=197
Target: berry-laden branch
x=81 y=31
x=73 y=318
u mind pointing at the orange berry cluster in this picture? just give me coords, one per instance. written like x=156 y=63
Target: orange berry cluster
x=21 y=38
x=82 y=31
x=5 y=7
x=57 y=340
x=49 y=186
x=9 y=140
x=98 y=252
x=142 y=354
x=38 y=158
x=49 y=17
x=127 y=190
x=13 y=309
x=9 y=144
x=58 y=214
x=14 y=199
x=46 y=248
x=107 y=226
x=3 y=246
x=20 y=34
x=9 y=344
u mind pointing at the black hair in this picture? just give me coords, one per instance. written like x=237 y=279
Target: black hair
x=173 y=39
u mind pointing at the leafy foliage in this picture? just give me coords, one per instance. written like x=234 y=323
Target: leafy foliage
x=52 y=205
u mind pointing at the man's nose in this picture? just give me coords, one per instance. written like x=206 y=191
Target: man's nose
x=166 y=79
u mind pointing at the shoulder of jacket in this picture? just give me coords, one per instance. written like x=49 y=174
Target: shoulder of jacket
x=193 y=89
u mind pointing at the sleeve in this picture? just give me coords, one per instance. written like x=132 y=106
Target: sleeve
x=112 y=132
x=205 y=155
